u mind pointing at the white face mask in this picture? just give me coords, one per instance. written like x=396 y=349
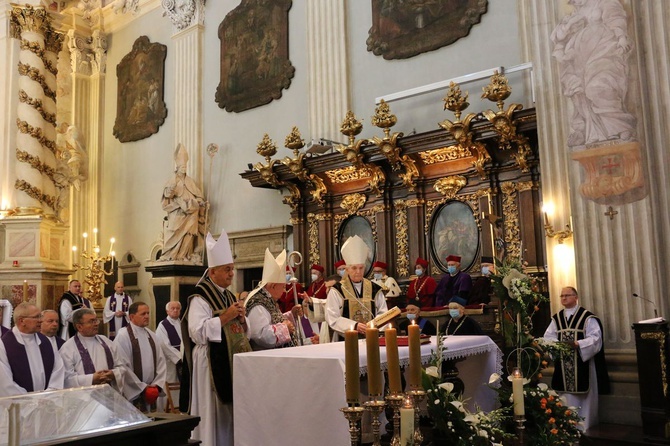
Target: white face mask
x=418 y=272
x=288 y=277
x=378 y=276
x=315 y=277
x=341 y=272
x=485 y=270
x=411 y=316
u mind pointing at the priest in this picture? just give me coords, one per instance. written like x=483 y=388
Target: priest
x=216 y=325
x=318 y=286
x=90 y=358
x=168 y=333
x=455 y=283
x=387 y=283
x=28 y=361
x=116 y=310
x=49 y=328
x=70 y=301
x=354 y=301
x=142 y=356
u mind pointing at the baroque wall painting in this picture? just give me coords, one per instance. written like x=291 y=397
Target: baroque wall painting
x=454 y=231
x=405 y=28
x=255 y=67
x=140 y=107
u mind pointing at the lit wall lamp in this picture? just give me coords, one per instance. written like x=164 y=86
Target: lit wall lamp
x=549 y=231
x=5 y=211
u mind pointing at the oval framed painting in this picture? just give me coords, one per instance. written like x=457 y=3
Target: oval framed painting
x=454 y=230
x=360 y=226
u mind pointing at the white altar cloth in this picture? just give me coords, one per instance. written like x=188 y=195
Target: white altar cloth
x=292 y=396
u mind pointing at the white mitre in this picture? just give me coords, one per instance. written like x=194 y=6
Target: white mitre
x=355 y=251
x=274 y=269
x=218 y=251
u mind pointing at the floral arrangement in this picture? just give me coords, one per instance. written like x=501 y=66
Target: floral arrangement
x=549 y=421
x=453 y=423
x=554 y=349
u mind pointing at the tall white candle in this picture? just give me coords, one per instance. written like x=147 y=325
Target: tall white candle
x=407 y=423
x=517 y=393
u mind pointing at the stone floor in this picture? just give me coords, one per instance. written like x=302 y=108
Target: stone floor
x=615 y=435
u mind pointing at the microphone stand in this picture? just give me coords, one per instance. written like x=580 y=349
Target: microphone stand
x=648 y=300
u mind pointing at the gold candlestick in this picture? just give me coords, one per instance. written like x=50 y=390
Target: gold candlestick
x=395 y=402
x=94 y=265
x=353 y=415
x=417 y=398
x=375 y=408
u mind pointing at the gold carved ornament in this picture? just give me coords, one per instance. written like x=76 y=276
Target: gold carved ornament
x=353 y=202
x=313 y=238
x=352 y=152
x=503 y=124
x=37 y=105
x=511 y=218
x=402 y=237
x=28 y=18
x=297 y=167
x=267 y=148
x=660 y=339
x=450 y=186
x=388 y=145
x=460 y=130
x=35 y=75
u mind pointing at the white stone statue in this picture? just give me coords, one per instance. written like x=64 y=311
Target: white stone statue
x=184 y=232
x=592 y=47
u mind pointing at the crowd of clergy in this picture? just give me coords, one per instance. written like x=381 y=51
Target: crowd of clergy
x=64 y=348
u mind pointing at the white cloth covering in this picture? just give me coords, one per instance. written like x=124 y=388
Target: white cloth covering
x=133 y=386
x=216 y=419
x=334 y=306
x=108 y=314
x=588 y=347
x=74 y=367
x=32 y=342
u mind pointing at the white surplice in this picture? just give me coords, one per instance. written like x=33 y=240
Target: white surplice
x=133 y=386
x=108 y=314
x=172 y=355
x=588 y=347
x=74 y=367
x=32 y=344
x=216 y=419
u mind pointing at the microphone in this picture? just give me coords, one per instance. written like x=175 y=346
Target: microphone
x=648 y=300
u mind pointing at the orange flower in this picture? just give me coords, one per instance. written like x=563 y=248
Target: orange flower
x=554 y=431
x=548 y=411
x=552 y=420
x=539 y=376
x=567 y=412
x=551 y=398
x=558 y=404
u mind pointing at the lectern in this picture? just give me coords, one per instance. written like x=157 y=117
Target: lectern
x=653 y=366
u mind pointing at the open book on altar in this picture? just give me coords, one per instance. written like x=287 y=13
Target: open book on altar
x=386 y=317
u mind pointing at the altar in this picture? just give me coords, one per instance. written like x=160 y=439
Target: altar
x=293 y=395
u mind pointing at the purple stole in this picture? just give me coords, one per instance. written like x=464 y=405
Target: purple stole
x=137 y=353
x=18 y=360
x=173 y=336
x=3 y=330
x=306 y=327
x=59 y=341
x=112 y=306
x=86 y=360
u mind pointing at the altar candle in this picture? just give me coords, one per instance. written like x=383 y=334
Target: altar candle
x=74 y=254
x=111 y=245
x=95 y=236
x=517 y=393
x=113 y=254
x=414 y=332
x=374 y=364
x=407 y=423
x=25 y=291
x=85 y=235
x=352 y=367
x=392 y=360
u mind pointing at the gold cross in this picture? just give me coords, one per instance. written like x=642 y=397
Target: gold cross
x=611 y=212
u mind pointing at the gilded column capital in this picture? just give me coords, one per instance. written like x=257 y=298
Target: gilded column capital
x=28 y=18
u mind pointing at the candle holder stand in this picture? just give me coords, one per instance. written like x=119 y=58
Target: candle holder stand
x=375 y=408
x=395 y=402
x=417 y=397
x=520 y=421
x=353 y=416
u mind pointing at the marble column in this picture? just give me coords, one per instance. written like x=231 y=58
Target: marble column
x=327 y=68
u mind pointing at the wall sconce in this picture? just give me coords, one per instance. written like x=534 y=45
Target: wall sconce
x=549 y=228
x=5 y=211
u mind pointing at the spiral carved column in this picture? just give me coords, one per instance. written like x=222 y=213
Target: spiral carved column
x=36 y=111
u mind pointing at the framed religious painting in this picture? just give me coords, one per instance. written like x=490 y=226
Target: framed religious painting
x=140 y=109
x=255 y=67
x=360 y=226
x=405 y=28
x=454 y=230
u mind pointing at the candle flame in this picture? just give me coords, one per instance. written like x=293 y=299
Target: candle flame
x=113 y=253
x=112 y=240
x=372 y=324
x=85 y=235
x=95 y=230
x=516 y=373
x=413 y=322
x=74 y=249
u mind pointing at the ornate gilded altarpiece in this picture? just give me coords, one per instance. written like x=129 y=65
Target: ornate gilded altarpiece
x=255 y=67
x=414 y=192
x=405 y=28
x=140 y=109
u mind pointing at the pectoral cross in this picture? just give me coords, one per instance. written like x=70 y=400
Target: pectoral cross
x=611 y=212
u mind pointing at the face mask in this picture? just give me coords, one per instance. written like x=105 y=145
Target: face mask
x=411 y=316
x=451 y=269
x=288 y=277
x=378 y=276
x=315 y=277
x=454 y=313
x=485 y=270
x=418 y=272
x=341 y=272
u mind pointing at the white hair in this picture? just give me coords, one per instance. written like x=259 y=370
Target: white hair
x=167 y=305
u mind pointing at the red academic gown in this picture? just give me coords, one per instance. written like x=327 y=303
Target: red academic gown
x=317 y=289
x=426 y=286
x=286 y=301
